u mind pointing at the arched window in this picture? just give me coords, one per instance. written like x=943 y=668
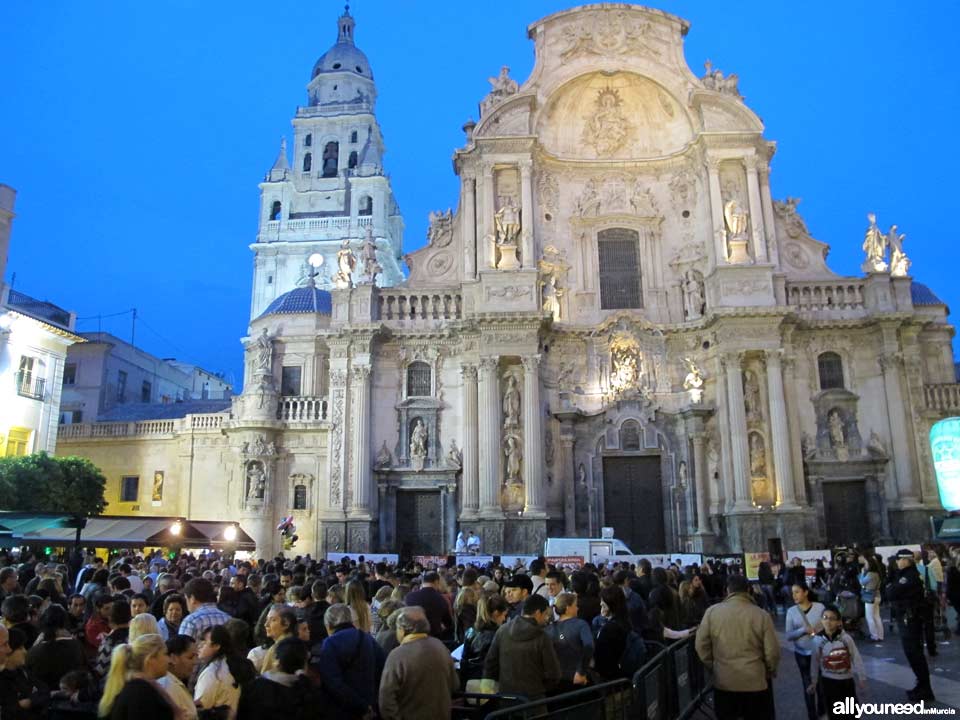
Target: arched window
x=331 y=159
x=418 y=379
x=630 y=435
x=300 y=497
x=308 y=140
x=275 y=210
x=830 y=368
x=307 y=162
x=352 y=162
x=366 y=206
x=618 y=250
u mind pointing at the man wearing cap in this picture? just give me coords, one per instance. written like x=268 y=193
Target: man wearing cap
x=515 y=592
x=907 y=595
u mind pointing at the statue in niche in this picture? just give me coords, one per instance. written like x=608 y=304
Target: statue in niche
x=551 y=299
x=454 y=455
x=736 y=219
x=627 y=363
x=875 y=247
x=346 y=264
x=511 y=403
x=751 y=396
x=368 y=256
x=511 y=449
x=899 y=262
x=256 y=481
x=264 y=352
x=608 y=128
x=758 y=457
x=693 y=382
x=507 y=222
x=553 y=269
x=418 y=444
x=682 y=475
x=835 y=428
x=384 y=458
x=692 y=295
x=501 y=87
x=582 y=474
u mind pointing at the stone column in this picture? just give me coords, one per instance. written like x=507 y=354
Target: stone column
x=337 y=452
x=448 y=501
x=716 y=212
x=738 y=434
x=489 y=209
x=793 y=427
x=756 y=211
x=780 y=434
x=489 y=439
x=360 y=474
x=770 y=229
x=699 y=442
x=469 y=226
x=908 y=488
x=724 y=466
x=526 y=214
x=569 y=482
x=470 y=477
x=532 y=438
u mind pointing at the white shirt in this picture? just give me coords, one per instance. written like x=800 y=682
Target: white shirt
x=179 y=695
x=136 y=584
x=216 y=686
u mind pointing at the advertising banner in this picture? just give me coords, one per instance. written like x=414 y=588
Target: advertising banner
x=478 y=560
x=565 y=562
x=752 y=563
x=369 y=557
x=945 y=446
x=431 y=562
x=809 y=559
x=509 y=561
x=664 y=560
x=734 y=559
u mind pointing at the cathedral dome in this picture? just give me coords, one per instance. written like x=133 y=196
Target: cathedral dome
x=307 y=299
x=344 y=56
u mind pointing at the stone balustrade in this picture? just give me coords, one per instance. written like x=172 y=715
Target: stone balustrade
x=410 y=307
x=826 y=295
x=327 y=227
x=302 y=409
x=206 y=421
x=944 y=397
x=142 y=428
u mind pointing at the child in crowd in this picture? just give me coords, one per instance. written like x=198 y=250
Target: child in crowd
x=836 y=663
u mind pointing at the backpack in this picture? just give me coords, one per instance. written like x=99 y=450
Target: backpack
x=634 y=654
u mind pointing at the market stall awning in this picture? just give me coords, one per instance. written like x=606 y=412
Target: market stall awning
x=213 y=531
x=116 y=532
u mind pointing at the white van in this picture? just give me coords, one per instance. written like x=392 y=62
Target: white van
x=595 y=550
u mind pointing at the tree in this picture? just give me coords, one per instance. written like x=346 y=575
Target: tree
x=42 y=483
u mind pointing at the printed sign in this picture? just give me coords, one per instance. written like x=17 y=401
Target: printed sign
x=808 y=558
x=945 y=446
x=734 y=559
x=566 y=562
x=510 y=561
x=752 y=563
x=478 y=560
x=888 y=551
x=369 y=557
x=431 y=561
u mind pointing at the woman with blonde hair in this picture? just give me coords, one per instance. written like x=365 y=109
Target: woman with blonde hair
x=143 y=624
x=356 y=598
x=131 y=691
x=465 y=612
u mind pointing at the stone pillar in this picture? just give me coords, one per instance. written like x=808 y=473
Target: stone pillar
x=907 y=487
x=569 y=481
x=699 y=441
x=724 y=466
x=470 y=478
x=489 y=209
x=770 y=229
x=448 y=516
x=360 y=474
x=739 y=453
x=469 y=226
x=716 y=212
x=532 y=438
x=756 y=211
x=780 y=434
x=794 y=428
x=489 y=439
x=526 y=215
x=339 y=436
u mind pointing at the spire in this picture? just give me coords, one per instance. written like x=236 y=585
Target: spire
x=345 y=27
x=281 y=163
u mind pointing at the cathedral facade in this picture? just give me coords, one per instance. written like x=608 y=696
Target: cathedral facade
x=617 y=326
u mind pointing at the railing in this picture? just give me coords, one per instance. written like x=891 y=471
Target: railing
x=302 y=409
x=206 y=421
x=154 y=427
x=942 y=397
x=401 y=305
x=334 y=225
x=144 y=428
x=826 y=295
x=29 y=386
x=672 y=684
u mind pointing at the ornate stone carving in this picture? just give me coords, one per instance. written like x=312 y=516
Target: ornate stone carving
x=875 y=444
x=548 y=446
x=512 y=406
x=693 y=382
x=336 y=455
x=793 y=224
x=514 y=456
x=553 y=268
x=751 y=396
x=796 y=256
x=454 y=455
x=642 y=202
x=418 y=444
x=384 y=460
x=899 y=262
x=693 y=295
x=368 y=256
x=683 y=193
x=346 y=265
x=256 y=479
x=607 y=34
x=588 y=204
x=502 y=87
x=440 y=263
x=626 y=362
x=548 y=191
x=507 y=230
x=440 y=231
x=607 y=128
x=838 y=438
x=509 y=292
x=264 y=346
x=713 y=79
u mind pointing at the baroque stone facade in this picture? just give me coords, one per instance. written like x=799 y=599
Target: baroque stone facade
x=616 y=326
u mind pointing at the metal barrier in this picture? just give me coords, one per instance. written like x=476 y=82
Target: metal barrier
x=673 y=684
x=607 y=701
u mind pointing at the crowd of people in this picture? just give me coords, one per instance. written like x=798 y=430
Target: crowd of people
x=207 y=637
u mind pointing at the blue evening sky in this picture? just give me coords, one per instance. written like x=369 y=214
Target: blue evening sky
x=136 y=132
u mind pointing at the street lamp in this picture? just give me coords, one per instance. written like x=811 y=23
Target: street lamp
x=230 y=533
x=176 y=528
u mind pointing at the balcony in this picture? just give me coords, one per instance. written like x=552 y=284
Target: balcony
x=942 y=398
x=29 y=386
x=835 y=297
x=302 y=409
x=402 y=307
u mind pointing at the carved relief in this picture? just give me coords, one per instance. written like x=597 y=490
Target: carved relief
x=607 y=128
x=693 y=294
x=502 y=87
x=440 y=231
x=793 y=224
x=440 y=263
x=548 y=191
x=795 y=256
x=336 y=427
x=713 y=79
x=607 y=34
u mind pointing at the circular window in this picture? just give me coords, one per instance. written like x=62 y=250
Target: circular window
x=336 y=66
x=359 y=69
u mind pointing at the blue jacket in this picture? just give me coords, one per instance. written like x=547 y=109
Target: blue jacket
x=349 y=664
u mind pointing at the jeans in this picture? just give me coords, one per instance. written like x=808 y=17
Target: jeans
x=874 y=623
x=814 y=702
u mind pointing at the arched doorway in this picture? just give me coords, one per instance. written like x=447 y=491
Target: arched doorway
x=633 y=501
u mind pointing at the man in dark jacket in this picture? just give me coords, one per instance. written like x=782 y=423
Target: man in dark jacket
x=435 y=606
x=248 y=607
x=349 y=664
x=522 y=657
x=636 y=607
x=907 y=597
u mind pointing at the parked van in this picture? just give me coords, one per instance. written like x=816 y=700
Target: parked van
x=596 y=550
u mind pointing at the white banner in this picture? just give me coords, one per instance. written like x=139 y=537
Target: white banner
x=369 y=557
x=509 y=561
x=887 y=551
x=808 y=558
x=478 y=560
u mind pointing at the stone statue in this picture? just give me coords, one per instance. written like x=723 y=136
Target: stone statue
x=511 y=449
x=507 y=222
x=271 y=448
x=440 y=231
x=418 y=440
x=713 y=79
x=256 y=481
x=736 y=219
x=245 y=448
x=693 y=382
x=835 y=427
x=502 y=87
x=511 y=403
x=368 y=255
x=682 y=475
x=692 y=295
x=264 y=352
x=608 y=128
x=582 y=474
x=384 y=458
x=875 y=247
x=553 y=268
x=751 y=396
x=346 y=264
x=758 y=457
x=899 y=262
x=259 y=446
x=454 y=456
x=306 y=272
x=806 y=445
x=551 y=300
x=875 y=444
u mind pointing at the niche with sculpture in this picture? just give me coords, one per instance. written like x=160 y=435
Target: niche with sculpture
x=511 y=439
x=838 y=433
x=760 y=486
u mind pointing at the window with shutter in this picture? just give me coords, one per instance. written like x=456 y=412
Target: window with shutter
x=618 y=250
x=418 y=379
x=830 y=368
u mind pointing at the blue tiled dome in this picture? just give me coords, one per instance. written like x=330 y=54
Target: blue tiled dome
x=301 y=300
x=923 y=295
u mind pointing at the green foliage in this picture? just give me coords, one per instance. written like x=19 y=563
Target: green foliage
x=42 y=483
